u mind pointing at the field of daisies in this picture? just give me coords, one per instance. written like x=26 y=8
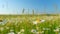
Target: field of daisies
x=29 y=24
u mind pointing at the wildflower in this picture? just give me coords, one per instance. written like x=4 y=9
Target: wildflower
x=39 y=32
x=42 y=20
x=3 y=22
x=56 y=30
x=33 y=31
x=11 y=33
x=18 y=32
x=21 y=31
x=35 y=22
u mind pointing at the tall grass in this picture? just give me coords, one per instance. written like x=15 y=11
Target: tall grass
x=24 y=25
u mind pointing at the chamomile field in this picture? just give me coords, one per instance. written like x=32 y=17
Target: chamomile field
x=29 y=16
x=29 y=24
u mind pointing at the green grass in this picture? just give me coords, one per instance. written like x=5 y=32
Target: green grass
x=26 y=23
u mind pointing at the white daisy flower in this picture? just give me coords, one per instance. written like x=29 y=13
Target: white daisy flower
x=11 y=33
x=42 y=21
x=35 y=22
x=21 y=31
x=38 y=21
x=3 y=22
x=56 y=30
x=33 y=31
x=18 y=32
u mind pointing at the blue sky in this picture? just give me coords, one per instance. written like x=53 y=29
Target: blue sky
x=16 y=6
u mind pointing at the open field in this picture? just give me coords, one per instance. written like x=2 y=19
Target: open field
x=29 y=24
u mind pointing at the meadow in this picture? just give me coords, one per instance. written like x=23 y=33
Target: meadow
x=29 y=24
